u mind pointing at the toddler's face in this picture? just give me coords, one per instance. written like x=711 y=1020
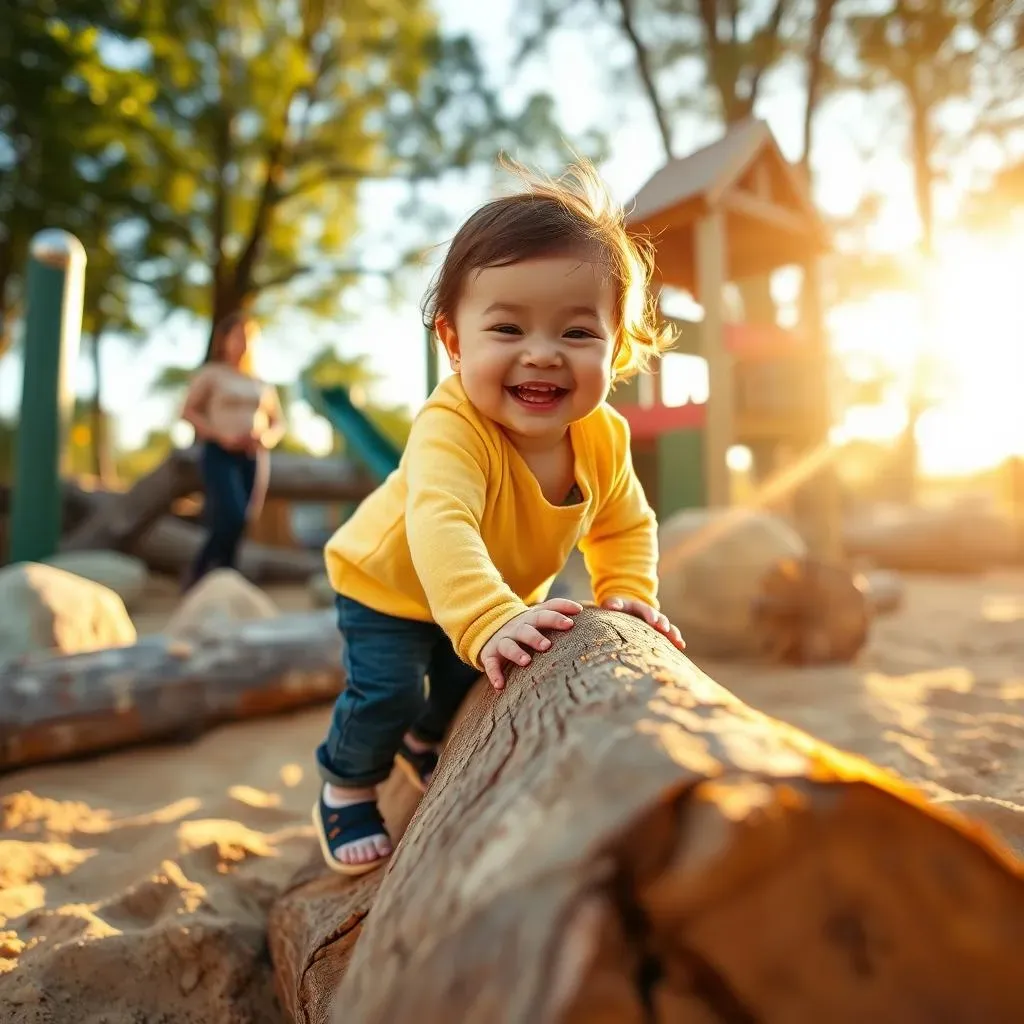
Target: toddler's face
x=533 y=343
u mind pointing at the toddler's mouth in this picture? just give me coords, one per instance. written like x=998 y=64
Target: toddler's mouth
x=537 y=395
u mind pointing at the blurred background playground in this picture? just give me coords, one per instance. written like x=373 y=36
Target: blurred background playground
x=835 y=447
x=322 y=205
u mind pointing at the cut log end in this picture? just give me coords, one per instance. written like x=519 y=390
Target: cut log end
x=808 y=613
x=798 y=901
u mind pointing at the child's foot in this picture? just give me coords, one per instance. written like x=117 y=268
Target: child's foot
x=351 y=831
x=417 y=759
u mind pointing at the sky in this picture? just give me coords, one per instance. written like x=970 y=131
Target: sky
x=393 y=336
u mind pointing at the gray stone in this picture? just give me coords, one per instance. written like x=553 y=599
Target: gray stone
x=43 y=608
x=218 y=599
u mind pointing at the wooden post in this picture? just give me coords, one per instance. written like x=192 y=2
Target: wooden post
x=618 y=838
x=718 y=427
x=54 y=283
x=824 y=527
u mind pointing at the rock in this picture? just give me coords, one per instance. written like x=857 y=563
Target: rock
x=321 y=593
x=124 y=575
x=224 y=596
x=48 y=609
x=712 y=567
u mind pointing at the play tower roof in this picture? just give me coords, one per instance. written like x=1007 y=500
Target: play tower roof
x=770 y=220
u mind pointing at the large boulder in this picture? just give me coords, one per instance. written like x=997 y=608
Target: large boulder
x=739 y=584
x=124 y=575
x=218 y=599
x=712 y=568
x=43 y=608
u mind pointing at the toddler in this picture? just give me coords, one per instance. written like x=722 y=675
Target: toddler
x=443 y=572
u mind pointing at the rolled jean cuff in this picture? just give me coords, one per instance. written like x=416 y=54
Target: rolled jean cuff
x=363 y=781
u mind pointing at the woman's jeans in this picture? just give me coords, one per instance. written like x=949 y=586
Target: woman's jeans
x=229 y=479
x=386 y=660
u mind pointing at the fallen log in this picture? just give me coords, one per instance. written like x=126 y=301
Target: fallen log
x=53 y=708
x=966 y=538
x=119 y=520
x=170 y=545
x=618 y=838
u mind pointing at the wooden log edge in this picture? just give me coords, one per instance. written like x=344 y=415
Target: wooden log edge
x=66 y=706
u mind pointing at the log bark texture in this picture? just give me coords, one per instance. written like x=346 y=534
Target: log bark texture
x=119 y=520
x=57 y=707
x=618 y=838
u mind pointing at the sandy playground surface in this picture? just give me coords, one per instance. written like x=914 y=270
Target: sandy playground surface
x=135 y=887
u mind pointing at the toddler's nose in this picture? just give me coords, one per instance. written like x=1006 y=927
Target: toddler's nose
x=542 y=354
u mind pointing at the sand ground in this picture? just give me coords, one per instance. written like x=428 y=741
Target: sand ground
x=134 y=887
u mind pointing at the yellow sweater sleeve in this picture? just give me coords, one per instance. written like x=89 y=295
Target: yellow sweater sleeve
x=621 y=548
x=447 y=463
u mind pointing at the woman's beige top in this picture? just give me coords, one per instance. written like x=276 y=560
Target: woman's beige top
x=232 y=403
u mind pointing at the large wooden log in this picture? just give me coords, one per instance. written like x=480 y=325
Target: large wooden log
x=58 y=707
x=170 y=545
x=119 y=520
x=617 y=838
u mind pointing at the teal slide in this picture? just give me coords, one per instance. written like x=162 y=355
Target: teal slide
x=364 y=439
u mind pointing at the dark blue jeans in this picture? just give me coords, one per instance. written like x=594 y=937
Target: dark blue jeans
x=229 y=479
x=386 y=660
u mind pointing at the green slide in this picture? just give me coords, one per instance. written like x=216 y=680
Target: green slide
x=365 y=440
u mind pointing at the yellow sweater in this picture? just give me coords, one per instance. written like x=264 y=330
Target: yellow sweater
x=460 y=534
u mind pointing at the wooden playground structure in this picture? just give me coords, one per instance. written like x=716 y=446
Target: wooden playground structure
x=733 y=212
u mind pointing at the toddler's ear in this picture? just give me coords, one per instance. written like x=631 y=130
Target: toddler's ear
x=446 y=332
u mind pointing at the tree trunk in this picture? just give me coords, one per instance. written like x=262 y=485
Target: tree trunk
x=102 y=463
x=60 y=707
x=122 y=519
x=618 y=838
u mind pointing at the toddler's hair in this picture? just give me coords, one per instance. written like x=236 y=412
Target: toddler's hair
x=551 y=217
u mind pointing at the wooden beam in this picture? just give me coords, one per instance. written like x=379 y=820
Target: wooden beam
x=718 y=432
x=767 y=212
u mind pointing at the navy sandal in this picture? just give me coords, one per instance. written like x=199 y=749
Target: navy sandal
x=337 y=826
x=417 y=766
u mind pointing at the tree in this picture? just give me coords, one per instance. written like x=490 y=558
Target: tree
x=270 y=118
x=66 y=110
x=928 y=54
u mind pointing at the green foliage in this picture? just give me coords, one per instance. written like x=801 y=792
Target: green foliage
x=267 y=119
x=64 y=114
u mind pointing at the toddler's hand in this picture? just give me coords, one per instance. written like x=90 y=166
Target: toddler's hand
x=524 y=631
x=642 y=610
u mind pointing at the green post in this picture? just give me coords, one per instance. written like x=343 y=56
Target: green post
x=431 y=353
x=54 y=283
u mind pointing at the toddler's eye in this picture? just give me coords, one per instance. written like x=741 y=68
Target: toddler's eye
x=505 y=329
x=579 y=332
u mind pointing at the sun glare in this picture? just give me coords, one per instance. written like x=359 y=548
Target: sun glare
x=966 y=328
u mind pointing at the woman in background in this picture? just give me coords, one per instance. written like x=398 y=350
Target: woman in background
x=238 y=419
